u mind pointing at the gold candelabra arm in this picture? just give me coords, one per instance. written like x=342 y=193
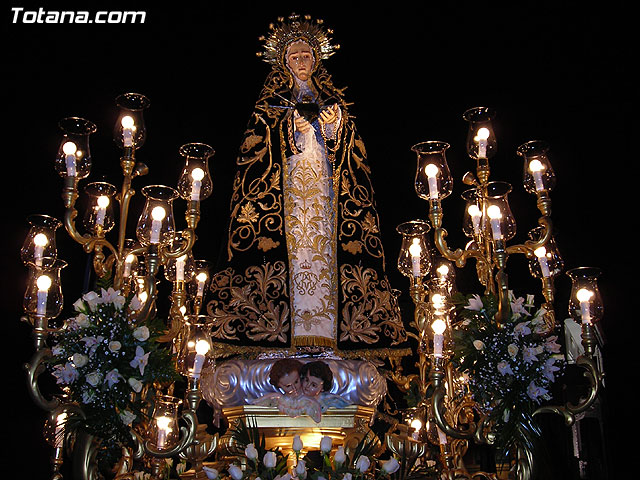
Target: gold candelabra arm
x=595 y=377
x=438 y=400
x=34 y=368
x=189 y=236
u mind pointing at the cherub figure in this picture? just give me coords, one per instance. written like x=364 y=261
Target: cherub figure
x=317 y=380
x=285 y=375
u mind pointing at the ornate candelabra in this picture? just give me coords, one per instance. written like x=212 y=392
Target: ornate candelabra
x=131 y=267
x=448 y=407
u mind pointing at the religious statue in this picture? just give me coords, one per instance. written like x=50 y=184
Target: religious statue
x=304 y=269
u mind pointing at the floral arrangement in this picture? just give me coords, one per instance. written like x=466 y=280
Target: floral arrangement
x=103 y=358
x=262 y=464
x=512 y=367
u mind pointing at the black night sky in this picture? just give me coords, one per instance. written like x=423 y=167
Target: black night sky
x=553 y=71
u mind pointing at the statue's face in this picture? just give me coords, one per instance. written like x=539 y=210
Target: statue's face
x=290 y=383
x=312 y=386
x=300 y=60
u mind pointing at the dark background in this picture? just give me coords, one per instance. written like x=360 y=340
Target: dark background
x=555 y=71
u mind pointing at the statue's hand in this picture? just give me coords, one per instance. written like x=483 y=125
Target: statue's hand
x=301 y=124
x=330 y=114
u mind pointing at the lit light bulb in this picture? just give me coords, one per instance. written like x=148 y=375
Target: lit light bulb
x=128 y=126
x=431 y=171
x=103 y=203
x=197 y=174
x=40 y=241
x=536 y=167
x=584 y=296
x=541 y=254
x=495 y=215
x=481 y=137
x=69 y=149
x=157 y=214
x=415 y=251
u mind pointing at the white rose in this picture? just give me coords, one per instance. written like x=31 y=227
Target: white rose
x=297 y=443
x=235 y=472
x=211 y=473
x=250 y=452
x=114 y=346
x=363 y=463
x=127 y=417
x=478 y=344
x=93 y=378
x=391 y=466
x=340 y=457
x=79 y=360
x=141 y=333
x=347 y=476
x=326 y=444
x=301 y=469
x=82 y=320
x=269 y=460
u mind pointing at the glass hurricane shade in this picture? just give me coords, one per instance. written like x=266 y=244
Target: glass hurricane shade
x=43 y=296
x=40 y=241
x=164 y=431
x=196 y=343
x=546 y=261
x=129 y=130
x=585 y=303
x=99 y=214
x=156 y=224
x=414 y=259
x=200 y=280
x=195 y=180
x=481 y=139
x=181 y=268
x=538 y=175
x=74 y=156
x=433 y=178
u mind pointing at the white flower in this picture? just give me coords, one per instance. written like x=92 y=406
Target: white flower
x=66 y=373
x=57 y=350
x=478 y=344
x=82 y=320
x=135 y=304
x=78 y=305
x=475 y=303
x=512 y=349
x=113 y=296
x=135 y=384
x=551 y=345
x=114 y=346
x=521 y=329
x=235 y=472
x=549 y=369
x=534 y=391
x=363 y=463
x=79 y=360
x=297 y=443
x=504 y=368
x=286 y=476
x=141 y=333
x=112 y=377
x=211 y=473
x=340 y=457
x=391 y=465
x=127 y=417
x=301 y=469
x=93 y=378
x=517 y=306
x=529 y=353
x=88 y=395
x=347 y=476
x=269 y=459
x=92 y=300
x=250 y=452
x=326 y=444
x=140 y=360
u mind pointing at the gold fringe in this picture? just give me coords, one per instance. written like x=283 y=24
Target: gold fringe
x=313 y=341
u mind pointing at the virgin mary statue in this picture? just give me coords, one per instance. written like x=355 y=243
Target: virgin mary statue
x=304 y=265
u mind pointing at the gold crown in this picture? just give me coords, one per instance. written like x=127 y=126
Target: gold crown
x=296 y=28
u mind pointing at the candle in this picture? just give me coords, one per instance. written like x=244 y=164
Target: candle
x=69 y=149
x=103 y=203
x=201 y=278
x=481 y=138
x=40 y=241
x=536 y=168
x=59 y=435
x=438 y=327
x=43 y=283
x=495 y=215
x=127 y=130
x=476 y=215
x=128 y=261
x=163 y=430
x=197 y=174
x=583 y=295
x=541 y=253
x=157 y=215
x=432 y=176
x=415 y=250
x=202 y=347
x=180 y=262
